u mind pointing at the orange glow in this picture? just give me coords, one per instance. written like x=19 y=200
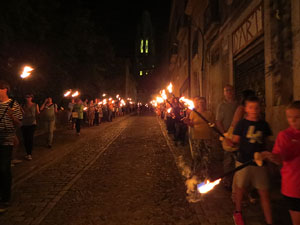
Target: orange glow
x=75 y=94
x=159 y=100
x=163 y=94
x=207 y=186
x=26 y=72
x=85 y=108
x=170 y=88
x=169 y=110
x=188 y=102
x=66 y=94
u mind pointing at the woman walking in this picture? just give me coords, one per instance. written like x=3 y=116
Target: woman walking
x=49 y=109
x=78 y=114
x=91 y=113
x=30 y=112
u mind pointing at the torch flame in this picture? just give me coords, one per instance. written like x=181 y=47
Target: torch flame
x=67 y=93
x=163 y=94
x=189 y=102
x=207 y=186
x=26 y=72
x=159 y=100
x=76 y=93
x=170 y=88
x=169 y=110
x=85 y=108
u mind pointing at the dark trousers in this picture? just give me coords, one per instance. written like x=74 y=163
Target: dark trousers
x=170 y=125
x=5 y=172
x=77 y=125
x=180 y=132
x=28 y=135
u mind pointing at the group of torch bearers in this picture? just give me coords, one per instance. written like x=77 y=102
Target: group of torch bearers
x=248 y=141
x=94 y=112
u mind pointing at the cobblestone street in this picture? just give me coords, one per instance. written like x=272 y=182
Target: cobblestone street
x=124 y=172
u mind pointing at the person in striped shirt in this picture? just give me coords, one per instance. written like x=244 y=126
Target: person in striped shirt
x=10 y=117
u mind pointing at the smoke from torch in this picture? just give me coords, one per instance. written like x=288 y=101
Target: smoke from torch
x=26 y=72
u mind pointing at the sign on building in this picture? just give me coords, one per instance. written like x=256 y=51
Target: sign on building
x=250 y=29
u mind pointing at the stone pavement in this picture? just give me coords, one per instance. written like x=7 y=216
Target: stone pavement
x=124 y=172
x=216 y=207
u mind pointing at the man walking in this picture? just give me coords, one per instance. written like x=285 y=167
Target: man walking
x=10 y=117
x=224 y=116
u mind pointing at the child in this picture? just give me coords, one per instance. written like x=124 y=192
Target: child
x=286 y=151
x=250 y=134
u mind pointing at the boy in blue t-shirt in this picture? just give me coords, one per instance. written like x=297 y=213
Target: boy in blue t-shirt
x=250 y=135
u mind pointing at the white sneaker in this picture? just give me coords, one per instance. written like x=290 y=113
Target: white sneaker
x=28 y=157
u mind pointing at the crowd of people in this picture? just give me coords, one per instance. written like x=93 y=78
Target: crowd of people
x=241 y=122
x=246 y=132
x=30 y=115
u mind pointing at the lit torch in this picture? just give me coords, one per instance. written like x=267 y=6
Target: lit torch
x=26 y=72
x=191 y=106
x=170 y=88
x=207 y=186
x=75 y=94
x=67 y=93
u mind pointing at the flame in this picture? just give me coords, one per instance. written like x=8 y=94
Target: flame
x=207 y=186
x=104 y=95
x=122 y=102
x=100 y=103
x=170 y=88
x=67 y=93
x=104 y=101
x=117 y=96
x=169 y=110
x=26 y=72
x=85 y=108
x=159 y=100
x=163 y=94
x=188 y=102
x=76 y=93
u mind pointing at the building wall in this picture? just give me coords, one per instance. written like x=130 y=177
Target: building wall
x=263 y=59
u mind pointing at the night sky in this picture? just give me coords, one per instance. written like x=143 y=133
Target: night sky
x=120 y=19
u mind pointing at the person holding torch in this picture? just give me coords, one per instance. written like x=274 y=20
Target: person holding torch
x=202 y=137
x=250 y=135
x=286 y=152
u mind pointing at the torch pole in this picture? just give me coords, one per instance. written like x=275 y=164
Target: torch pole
x=248 y=163
x=211 y=125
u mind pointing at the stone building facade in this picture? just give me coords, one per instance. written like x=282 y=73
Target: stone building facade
x=251 y=44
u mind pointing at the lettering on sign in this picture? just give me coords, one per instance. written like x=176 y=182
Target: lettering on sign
x=249 y=30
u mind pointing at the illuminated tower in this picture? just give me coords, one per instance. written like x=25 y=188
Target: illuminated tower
x=144 y=48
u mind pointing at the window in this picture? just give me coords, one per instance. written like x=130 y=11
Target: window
x=146 y=48
x=142 y=46
x=141 y=73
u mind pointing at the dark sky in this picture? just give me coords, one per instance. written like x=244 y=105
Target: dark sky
x=120 y=18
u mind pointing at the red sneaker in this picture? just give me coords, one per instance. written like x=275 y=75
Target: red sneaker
x=237 y=218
